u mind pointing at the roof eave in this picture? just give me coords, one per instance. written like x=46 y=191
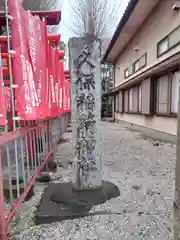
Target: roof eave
x=130 y=8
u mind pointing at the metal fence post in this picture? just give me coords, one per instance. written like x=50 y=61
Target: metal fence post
x=3 y=235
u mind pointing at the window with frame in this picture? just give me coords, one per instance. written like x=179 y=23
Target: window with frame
x=126 y=101
x=143 y=60
x=121 y=103
x=162 y=94
x=130 y=69
x=126 y=73
x=136 y=66
x=133 y=100
x=174 y=37
x=117 y=103
x=130 y=100
x=147 y=96
x=139 y=99
x=169 y=42
x=162 y=47
x=168 y=94
x=174 y=92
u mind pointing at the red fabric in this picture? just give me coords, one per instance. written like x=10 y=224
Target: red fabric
x=51 y=86
x=36 y=33
x=54 y=84
x=2 y=100
x=7 y=94
x=67 y=96
x=47 y=92
x=63 y=80
x=29 y=63
x=37 y=70
x=58 y=83
x=25 y=94
x=44 y=89
x=62 y=87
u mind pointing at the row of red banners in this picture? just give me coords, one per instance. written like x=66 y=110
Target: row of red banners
x=2 y=99
x=38 y=72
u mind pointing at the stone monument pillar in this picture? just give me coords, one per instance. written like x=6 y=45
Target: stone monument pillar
x=77 y=199
x=84 y=56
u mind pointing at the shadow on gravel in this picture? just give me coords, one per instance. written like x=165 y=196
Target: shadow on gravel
x=61 y=202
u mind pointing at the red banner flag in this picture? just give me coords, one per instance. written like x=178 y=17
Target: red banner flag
x=7 y=94
x=2 y=99
x=29 y=42
x=67 y=96
x=51 y=86
x=25 y=93
x=61 y=88
x=38 y=73
x=55 y=77
x=36 y=36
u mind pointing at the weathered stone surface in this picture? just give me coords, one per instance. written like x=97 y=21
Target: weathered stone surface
x=70 y=203
x=86 y=105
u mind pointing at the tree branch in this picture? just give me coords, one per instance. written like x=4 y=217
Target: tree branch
x=95 y=17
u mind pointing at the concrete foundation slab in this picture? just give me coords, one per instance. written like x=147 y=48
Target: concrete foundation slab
x=61 y=202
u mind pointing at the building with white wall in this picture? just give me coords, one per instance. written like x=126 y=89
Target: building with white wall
x=145 y=51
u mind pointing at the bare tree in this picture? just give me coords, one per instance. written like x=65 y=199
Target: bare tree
x=97 y=17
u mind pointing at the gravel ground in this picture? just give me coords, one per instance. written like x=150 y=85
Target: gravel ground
x=144 y=174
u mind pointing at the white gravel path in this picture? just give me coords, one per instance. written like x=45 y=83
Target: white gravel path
x=145 y=176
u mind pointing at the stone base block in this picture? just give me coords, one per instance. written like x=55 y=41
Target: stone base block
x=62 y=202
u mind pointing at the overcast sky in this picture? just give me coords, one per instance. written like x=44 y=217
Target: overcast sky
x=66 y=34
